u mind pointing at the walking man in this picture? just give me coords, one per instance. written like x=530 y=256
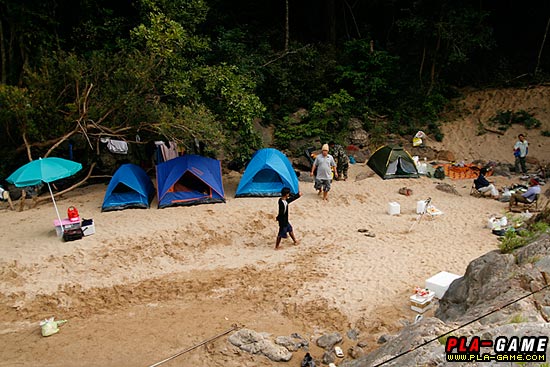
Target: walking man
x=325 y=166
x=342 y=160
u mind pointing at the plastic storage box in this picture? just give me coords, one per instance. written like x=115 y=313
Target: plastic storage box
x=67 y=225
x=440 y=282
x=394 y=208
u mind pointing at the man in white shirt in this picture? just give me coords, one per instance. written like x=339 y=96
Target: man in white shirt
x=326 y=166
x=521 y=148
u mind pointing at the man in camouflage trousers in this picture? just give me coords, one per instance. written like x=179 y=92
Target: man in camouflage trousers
x=342 y=160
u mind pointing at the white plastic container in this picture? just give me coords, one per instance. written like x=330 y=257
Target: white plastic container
x=88 y=227
x=421 y=207
x=440 y=282
x=394 y=208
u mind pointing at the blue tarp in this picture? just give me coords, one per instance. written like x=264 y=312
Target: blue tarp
x=189 y=180
x=130 y=187
x=267 y=173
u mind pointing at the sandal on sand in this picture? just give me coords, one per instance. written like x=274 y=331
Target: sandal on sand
x=338 y=351
x=362 y=230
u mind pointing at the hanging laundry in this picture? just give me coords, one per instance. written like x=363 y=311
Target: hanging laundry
x=117 y=146
x=170 y=151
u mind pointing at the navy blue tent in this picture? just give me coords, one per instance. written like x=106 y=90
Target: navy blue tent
x=267 y=173
x=189 y=180
x=130 y=187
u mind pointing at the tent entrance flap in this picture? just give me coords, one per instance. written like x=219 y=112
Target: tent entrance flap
x=400 y=167
x=267 y=175
x=190 y=183
x=122 y=188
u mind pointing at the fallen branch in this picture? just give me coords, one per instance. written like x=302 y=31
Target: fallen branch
x=493 y=131
x=80 y=183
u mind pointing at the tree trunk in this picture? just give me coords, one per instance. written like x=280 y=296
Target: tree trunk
x=3 y=58
x=287 y=26
x=542 y=46
x=331 y=22
x=421 y=69
x=434 y=61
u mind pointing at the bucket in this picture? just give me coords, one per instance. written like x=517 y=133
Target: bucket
x=394 y=208
x=421 y=207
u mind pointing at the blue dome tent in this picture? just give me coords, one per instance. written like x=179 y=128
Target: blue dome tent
x=267 y=173
x=189 y=180
x=130 y=187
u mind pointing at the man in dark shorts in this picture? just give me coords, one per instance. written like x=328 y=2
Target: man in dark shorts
x=282 y=217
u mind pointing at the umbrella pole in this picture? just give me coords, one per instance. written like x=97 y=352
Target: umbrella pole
x=55 y=206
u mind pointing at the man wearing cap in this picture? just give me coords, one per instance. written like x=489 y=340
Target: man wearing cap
x=325 y=166
x=528 y=196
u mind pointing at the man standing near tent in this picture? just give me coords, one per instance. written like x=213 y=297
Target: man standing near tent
x=342 y=160
x=521 y=148
x=325 y=166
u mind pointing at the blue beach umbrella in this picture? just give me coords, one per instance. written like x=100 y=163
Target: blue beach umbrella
x=44 y=170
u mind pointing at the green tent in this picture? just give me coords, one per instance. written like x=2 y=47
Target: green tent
x=392 y=162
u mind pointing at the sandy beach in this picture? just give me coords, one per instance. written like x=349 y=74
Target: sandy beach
x=215 y=265
x=152 y=282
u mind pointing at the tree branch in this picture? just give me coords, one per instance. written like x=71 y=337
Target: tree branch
x=80 y=183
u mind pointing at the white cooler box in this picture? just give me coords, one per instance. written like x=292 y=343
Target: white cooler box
x=440 y=282
x=88 y=227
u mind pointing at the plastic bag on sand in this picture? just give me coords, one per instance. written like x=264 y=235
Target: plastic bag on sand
x=50 y=327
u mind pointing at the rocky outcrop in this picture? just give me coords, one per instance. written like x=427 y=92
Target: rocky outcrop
x=492 y=299
x=259 y=343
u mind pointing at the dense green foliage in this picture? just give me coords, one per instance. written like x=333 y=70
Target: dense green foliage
x=209 y=70
x=505 y=119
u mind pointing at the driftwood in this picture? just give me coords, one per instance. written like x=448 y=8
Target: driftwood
x=37 y=201
x=493 y=131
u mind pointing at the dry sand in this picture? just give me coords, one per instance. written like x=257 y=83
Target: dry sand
x=151 y=283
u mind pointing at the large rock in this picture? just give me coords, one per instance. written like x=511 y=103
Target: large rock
x=486 y=280
x=253 y=342
x=327 y=341
x=446 y=155
x=493 y=282
x=357 y=134
x=361 y=156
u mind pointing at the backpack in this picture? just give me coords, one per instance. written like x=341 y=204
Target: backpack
x=439 y=173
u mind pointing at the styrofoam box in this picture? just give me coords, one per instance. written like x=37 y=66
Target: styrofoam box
x=88 y=227
x=394 y=208
x=440 y=282
x=422 y=304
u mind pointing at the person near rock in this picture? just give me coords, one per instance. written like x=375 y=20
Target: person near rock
x=483 y=185
x=282 y=217
x=528 y=196
x=325 y=166
x=521 y=148
x=342 y=160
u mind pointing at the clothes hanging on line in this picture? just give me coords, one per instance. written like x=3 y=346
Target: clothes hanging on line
x=116 y=146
